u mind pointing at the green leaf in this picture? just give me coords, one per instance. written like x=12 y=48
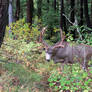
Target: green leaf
x=51 y=84
x=85 y=91
x=49 y=80
x=68 y=82
x=89 y=80
x=85 y=75
x=86 y=82
x=56 y=87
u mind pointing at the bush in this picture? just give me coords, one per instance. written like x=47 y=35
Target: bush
x=21 y=30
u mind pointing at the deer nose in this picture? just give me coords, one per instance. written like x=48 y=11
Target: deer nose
x=48 y=57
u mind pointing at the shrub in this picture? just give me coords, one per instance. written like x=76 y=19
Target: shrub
x=21 y=30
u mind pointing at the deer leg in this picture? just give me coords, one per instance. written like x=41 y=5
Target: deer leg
x=85 y=65
x=57 y=60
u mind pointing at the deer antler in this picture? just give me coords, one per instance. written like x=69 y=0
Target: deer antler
x=41 y=37
x=42 y=33
x=60 y=44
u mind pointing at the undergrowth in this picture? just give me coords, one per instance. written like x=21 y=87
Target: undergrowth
x=76 y=80
x=23 y=67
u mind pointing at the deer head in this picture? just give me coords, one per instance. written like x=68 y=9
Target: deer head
x=50 y=50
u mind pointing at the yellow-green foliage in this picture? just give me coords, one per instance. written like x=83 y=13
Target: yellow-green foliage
x=21 y=30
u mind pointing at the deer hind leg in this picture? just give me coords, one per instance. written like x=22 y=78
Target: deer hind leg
x=85 y=64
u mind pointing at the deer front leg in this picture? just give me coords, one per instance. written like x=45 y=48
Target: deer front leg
x=57 y=60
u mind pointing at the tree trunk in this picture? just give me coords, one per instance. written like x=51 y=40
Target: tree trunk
x=10 y=12
x=3 y=18
x=10 y=16
x=48 y=4
x=81 y=12
x=29 y=11
x=17 y=10
x=61 y=17
x=48 y=1
x=91 y=12
x=72 y=17
x=39 y=12
x=64 y=21
x=55 y=5
x=86 y=13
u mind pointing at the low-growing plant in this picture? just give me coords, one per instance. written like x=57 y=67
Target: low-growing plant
x=74 y=81
x=17 y=78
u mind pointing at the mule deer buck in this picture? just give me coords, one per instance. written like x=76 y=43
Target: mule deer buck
x=65 y=52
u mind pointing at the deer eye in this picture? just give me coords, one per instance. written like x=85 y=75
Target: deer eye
x=43 y=48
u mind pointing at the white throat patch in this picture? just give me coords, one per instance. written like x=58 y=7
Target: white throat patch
x=48 y=56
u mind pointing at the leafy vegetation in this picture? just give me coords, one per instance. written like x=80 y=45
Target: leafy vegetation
x=85 y=38
x=75 y=81
x=23 y=66
x=20 y=30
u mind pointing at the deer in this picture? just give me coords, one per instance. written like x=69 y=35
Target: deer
x=65 y=52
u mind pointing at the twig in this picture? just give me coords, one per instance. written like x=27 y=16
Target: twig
x=74 y=24
x=67 y=19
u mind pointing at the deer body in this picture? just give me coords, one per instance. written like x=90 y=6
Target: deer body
x=64 y=52
x=70 y=54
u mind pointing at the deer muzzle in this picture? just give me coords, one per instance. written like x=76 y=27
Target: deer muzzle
x=48 y=57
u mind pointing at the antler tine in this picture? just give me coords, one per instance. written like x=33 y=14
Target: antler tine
x=41 y=36
x=61 y=33
x=62 y=36
x=60 y=44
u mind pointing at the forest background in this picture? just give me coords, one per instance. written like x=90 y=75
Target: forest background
x=23 y=67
